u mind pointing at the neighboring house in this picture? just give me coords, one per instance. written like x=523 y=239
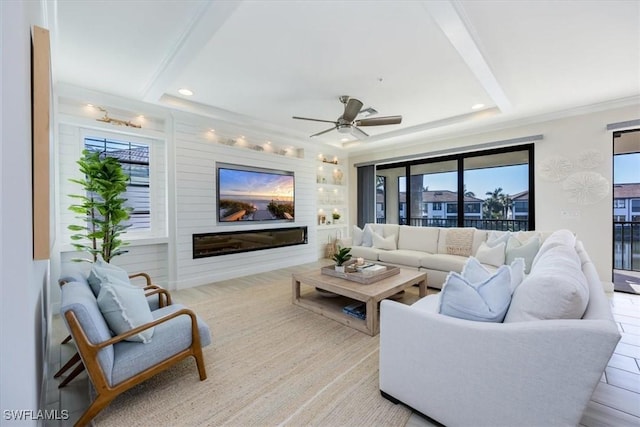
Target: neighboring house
x=520 y=206
x=626 y=202
x=443 y=204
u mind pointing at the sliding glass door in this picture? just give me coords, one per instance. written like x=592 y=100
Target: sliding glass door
x=490 y=190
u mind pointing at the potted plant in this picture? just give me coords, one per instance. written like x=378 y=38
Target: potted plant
x=340 y=257
x=101 y=207
x=336 y=217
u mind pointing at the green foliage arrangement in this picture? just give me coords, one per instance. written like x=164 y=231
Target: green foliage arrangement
x=101 y=207
x=342 y=256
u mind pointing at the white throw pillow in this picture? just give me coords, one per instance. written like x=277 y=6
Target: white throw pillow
x=125 y=307
x=485 y=301
x=556 y=289
x=367 y=235
x=491 y=255
x=496 y=237
x=101 y=271
x=357 y=234
x=387 y=243
x=475 y=272
x=517 y=249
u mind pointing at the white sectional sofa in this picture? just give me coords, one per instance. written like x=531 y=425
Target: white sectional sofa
x=421 y=248
x=537 y=368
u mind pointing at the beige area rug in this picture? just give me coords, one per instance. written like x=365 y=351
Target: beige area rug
x=271 y=363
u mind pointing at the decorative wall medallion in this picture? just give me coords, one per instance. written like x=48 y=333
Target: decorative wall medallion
x=555 y=168
x=586 y=188
x=590 y=159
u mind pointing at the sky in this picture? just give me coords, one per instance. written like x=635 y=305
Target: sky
x=236 y=182
x=626 y=168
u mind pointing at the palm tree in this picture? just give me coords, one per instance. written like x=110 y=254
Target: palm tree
x=493 y=205
x=468 y=193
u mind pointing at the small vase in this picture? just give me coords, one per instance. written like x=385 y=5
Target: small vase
x=340 y=268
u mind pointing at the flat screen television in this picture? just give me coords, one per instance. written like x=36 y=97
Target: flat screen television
x=251 y=194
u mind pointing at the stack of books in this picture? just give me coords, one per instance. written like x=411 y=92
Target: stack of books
x=357 y=309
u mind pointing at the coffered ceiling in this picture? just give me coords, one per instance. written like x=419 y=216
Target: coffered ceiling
x=258 y=63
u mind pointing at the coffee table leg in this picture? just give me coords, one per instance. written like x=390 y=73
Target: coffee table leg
x=295 y=291
x=422 y=288
x=372 y=317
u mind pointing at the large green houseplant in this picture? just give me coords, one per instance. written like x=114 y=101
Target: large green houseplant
x=101 y=208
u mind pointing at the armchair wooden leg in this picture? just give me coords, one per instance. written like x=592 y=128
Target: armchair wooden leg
x=72 y=375
x=97 y=405
x=66 y=340
x=200 y=364
x=75 y=359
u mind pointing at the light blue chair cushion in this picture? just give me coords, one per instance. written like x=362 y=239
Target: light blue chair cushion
x=79 y=298
x=169 y=338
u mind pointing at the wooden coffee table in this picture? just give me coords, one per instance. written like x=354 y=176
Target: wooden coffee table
x=370 y=294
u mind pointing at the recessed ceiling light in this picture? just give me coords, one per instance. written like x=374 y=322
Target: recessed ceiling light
x=344 y=139
x=89 y=105
x=477 y=106
x=212 y=130
x=185 y=92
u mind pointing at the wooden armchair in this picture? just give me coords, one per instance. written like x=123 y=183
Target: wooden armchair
x=163 y=300
x=113 y=364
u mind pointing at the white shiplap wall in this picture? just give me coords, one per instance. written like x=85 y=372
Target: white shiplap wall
x=195 y=204
x=148 y=251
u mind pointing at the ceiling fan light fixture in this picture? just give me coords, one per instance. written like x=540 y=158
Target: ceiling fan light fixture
x=344 y=128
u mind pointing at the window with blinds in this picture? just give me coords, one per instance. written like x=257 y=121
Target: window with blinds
x=134 y=158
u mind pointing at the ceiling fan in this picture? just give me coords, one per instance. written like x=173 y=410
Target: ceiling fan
x=347 y=122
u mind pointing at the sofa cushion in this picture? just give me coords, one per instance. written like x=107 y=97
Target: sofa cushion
x=557 y=238
x=494 y=238
x=402 y=257
x=459 y=241
x=527 y=250
x=491 y=255
x=385 y=243
x=443 y=262
x=484 y=301
x=102 y=271
x=555 y=289
x=125 y=307
x=423 y=239
x=365 y=252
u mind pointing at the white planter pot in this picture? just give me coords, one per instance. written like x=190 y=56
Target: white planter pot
x=340 y=268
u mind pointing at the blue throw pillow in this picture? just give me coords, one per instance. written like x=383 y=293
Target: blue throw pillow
x=101 y=271
x=125 y=307
x=484 y=301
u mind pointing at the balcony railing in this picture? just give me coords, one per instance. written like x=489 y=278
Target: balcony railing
x=626 y=245
x=482 y=224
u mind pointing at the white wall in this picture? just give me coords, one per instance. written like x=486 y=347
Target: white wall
x=566 y=137
x=22 y=316
x=196 y=154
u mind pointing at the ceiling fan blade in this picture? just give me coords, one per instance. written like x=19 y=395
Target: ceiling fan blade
x=358 y=133
x=377 y=121
x=324 y=131
x=351 y=109
x=313 y=120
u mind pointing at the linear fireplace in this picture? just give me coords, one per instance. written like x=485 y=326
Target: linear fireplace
x=233 y=242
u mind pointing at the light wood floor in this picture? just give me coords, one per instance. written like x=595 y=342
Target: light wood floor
x=615 y=402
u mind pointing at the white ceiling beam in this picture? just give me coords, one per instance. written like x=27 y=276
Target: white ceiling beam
x=210 y=17
x=454 y=28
